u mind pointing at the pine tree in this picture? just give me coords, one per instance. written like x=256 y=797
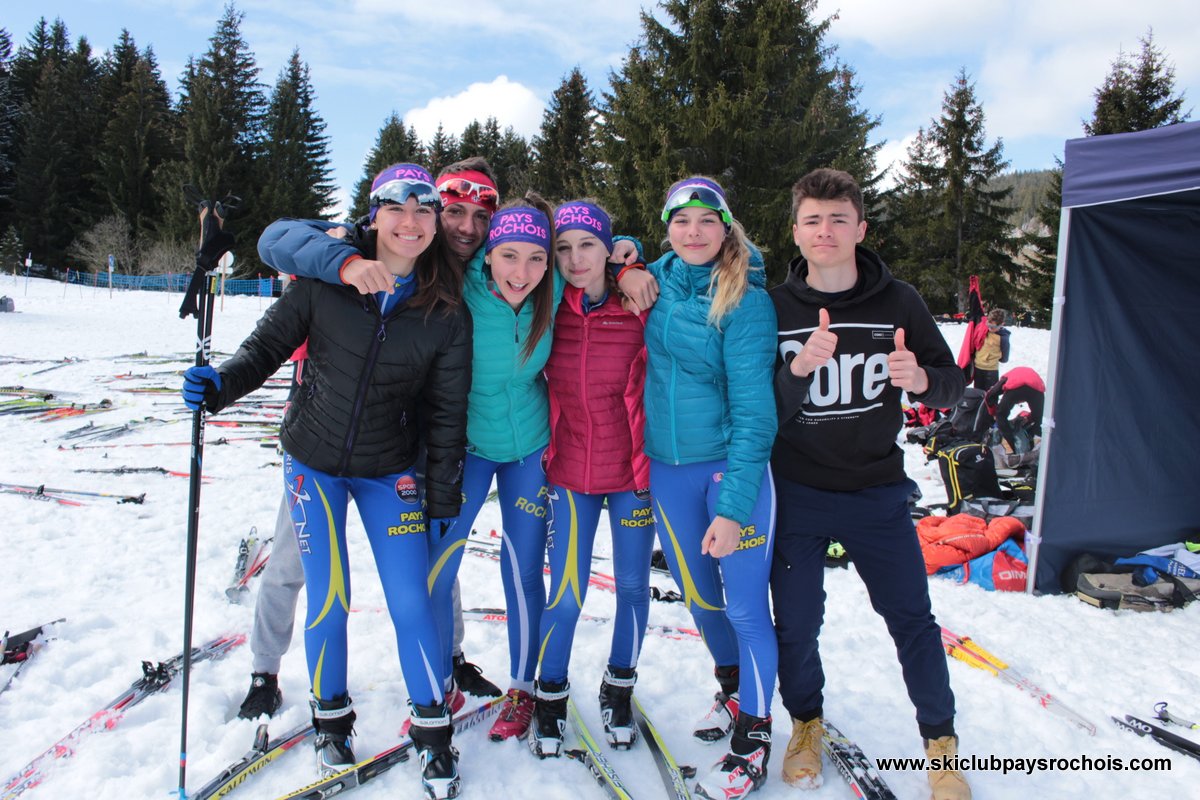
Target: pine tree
x=442 y=150
x=1137 y=95
x=298 y=181
x=9 y=120
x=566 y=146
x=951 y=225
x=221 y=117
x=12 y=254
x=137 y=136
x=395 y=144
x=513 y=164
x=745 y=91
x=471 y=142
x=1039 y=248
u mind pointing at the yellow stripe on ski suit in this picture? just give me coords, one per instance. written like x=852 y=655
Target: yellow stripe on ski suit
x=686 y=584
x=570 y=570
x=337 y=578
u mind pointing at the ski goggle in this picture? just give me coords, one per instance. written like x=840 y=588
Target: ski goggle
x=695 y=195
x=478 y=193
x=399 y=190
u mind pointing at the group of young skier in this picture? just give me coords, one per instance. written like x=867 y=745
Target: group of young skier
x=451 y=342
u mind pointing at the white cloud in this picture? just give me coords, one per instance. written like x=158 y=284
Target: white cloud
x=509 y=102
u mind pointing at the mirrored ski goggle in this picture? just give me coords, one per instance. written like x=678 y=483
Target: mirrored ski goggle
x=479 y=193
x=697 y=196
x=398 y=191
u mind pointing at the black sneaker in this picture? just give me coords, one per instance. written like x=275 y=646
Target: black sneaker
x=264 y=696
x=470 y=679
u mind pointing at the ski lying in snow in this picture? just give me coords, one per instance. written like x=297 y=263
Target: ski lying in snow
x=20 y=648
x=968 y=651
x=352 y=777
x=665 y=631
x=252 y=559
x=674 y=777
x=1161 y=735
x=262 y=753
x=59 y=495
x=854 y=766
x=155 y=678
x=590 y=756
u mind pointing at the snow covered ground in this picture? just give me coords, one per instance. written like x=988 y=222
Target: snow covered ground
x=116 y=572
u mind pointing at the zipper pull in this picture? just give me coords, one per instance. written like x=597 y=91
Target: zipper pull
x=382 y=334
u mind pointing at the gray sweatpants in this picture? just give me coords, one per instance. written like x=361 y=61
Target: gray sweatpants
x=279 y=589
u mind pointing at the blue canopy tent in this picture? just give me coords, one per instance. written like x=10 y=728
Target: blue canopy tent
x=1120 y=463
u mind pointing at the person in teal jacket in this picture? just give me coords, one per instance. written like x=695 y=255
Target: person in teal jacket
x=710 y=424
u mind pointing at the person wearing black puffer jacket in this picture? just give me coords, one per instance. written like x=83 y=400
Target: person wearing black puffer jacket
x=384 y=372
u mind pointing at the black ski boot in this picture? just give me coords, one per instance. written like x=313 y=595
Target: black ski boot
x=431 y=732
x=616 y=706
x=549 y=718
x=470 y=679
x=334 y=721
x=744 y=767
x=264 y=696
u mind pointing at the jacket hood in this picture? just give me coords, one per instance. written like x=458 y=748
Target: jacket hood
x=873 y=278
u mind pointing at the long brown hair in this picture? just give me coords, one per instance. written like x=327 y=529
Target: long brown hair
x=543 y=294
x=439 y=275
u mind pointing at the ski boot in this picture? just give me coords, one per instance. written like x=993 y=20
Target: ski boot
x=616 y=706
x=516 y=714
x=744 y=767
x=264 y=696
x=431 y=735
x=470 y=678
x=455 y=700
x=549 y=718
x=718 y=722
x=802 y=761
x=947 y=784
x=334 y=722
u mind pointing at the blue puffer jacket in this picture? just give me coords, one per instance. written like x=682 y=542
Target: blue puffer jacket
x=709 y=392
x=508 y=411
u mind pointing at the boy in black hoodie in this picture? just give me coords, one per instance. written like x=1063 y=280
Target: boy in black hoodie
x=851 y=339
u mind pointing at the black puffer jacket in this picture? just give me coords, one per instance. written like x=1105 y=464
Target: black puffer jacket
x=367 y=382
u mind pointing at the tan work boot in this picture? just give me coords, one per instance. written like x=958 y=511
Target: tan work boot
x=947 y=784
x=802 y=762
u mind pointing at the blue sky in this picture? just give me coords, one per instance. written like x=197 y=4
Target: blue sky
x=1035 y=63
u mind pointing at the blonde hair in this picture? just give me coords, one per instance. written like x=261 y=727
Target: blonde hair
x=730 y=275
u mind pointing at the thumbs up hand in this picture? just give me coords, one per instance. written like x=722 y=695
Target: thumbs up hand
x=817 y=350
x=903 y=368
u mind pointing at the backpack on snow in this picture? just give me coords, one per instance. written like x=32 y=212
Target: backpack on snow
x=968 y=471
x=1103 y=583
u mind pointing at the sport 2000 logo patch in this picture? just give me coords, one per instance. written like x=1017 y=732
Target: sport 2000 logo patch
x=406 y=489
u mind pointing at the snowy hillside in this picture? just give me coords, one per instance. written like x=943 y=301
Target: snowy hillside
x=116 y=572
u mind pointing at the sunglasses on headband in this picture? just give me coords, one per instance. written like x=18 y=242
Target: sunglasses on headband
x=398 y=191
x=697 y=195
x=477 y=192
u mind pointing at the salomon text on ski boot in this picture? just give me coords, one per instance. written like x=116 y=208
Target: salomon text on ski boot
x=616 y=706
x=431 y=733
x=334 y=722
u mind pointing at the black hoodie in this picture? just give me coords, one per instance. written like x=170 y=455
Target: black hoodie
x=838 y=426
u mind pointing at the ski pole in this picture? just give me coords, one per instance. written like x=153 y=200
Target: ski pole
x=214 y=243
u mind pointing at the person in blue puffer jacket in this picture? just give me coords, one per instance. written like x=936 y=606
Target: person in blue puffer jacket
x=710 y=424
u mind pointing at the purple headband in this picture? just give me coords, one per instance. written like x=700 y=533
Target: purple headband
x=581 y=216
x=519 y=224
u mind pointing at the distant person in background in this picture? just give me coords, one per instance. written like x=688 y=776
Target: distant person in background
x=1019 y=385
x=993 y=352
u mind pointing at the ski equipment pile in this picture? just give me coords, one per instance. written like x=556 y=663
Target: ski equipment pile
x=20 y=648
x=590 y=756
x=853 y=765
x=352 y=777
x=251 y=561
x=666 y=631
x=674 y=776
x=262 y=753
x=969 y=652
x=155 y=678
x=1163 y=736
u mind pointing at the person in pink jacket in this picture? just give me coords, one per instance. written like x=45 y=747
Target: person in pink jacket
x=595 y=374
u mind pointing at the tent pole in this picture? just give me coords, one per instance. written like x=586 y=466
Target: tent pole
x=1035 y=537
